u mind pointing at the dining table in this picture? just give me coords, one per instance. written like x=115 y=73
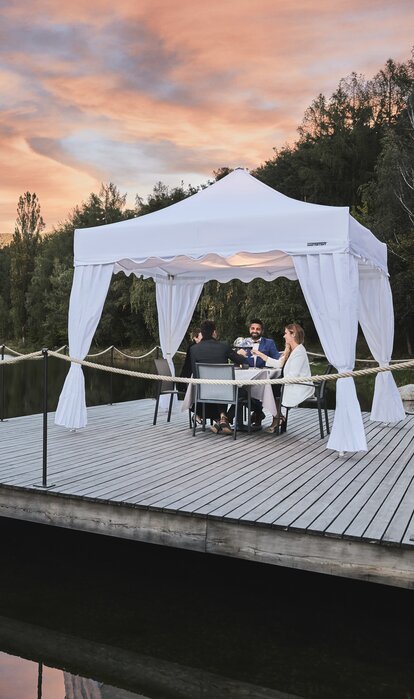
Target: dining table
x=261 y=392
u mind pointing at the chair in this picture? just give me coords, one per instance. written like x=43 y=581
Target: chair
x=319 y=399
x=164 y=388
x=211 y=394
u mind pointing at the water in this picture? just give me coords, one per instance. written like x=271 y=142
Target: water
x=135 y=620
x=23 y=385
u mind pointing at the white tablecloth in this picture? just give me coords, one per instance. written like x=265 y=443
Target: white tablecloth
x=262 y=392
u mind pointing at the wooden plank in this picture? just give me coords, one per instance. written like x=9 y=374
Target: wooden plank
x=352 y=559
x=301 y=509
x=350 y=482
x=388 y=493
x=367 y=485
x=239 y=501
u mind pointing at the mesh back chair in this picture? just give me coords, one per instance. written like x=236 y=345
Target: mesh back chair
x=164 y=388
x=211 y=394
x=319 y=399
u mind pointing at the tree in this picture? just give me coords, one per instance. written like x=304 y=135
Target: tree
x=23 y=250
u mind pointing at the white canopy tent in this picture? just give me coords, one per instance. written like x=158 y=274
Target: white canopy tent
x=239 y=228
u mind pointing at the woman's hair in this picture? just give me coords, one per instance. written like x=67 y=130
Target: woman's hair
x=297 y=332
x=195 y=333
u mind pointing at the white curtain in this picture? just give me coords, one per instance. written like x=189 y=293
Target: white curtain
x=176 y=301
x=330 y=285
x=376 y=316
x=89 y=290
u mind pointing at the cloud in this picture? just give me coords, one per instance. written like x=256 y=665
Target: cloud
x=137 y=92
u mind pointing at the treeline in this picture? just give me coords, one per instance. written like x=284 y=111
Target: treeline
x=355 y=148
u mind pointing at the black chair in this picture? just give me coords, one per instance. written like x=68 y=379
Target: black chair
x=319 y=399
x=164 y=388
x=211 y=394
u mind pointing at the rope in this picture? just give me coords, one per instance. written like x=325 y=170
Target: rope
x=9 y=349
x=22 y=357
x=142 y=356
x=147 y=354
x=235 y=382
x=99 y=354
x=361 y=361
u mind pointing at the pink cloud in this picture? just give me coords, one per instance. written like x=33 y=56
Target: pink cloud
x=207 y=84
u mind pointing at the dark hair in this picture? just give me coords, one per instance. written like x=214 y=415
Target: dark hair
x=207 y=329
x=297 y=332
x=195 y=333
x=256 y=321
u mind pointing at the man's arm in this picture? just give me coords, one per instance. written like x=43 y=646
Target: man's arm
x=236 y=358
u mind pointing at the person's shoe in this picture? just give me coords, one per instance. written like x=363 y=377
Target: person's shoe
x=215 y=428
x=224 y=426
x=256 y=419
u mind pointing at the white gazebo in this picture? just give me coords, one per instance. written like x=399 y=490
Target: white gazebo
x=239 y=228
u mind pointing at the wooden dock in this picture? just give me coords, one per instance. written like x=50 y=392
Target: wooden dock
x=283 y=500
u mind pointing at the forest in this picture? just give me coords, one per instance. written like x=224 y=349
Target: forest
x=354 y=148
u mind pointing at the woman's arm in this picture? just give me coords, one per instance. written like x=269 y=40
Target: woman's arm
x=269 y=361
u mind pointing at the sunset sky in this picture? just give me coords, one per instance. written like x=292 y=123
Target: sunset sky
x=137 y=91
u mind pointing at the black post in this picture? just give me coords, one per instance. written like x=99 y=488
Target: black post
x=111 y=362
x=45 y=392
x=157 y=353
x=2 y=385
x=39 y=680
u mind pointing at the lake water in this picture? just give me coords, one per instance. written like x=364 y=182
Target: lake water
x=23 y=385
x=90 y=617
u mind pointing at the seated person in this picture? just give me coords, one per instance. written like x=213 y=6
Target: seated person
x=211 y=351
x=260 y=346
x=295 y=363
x=186 y=370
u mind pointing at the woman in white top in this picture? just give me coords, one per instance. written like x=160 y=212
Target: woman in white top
x=295 y=362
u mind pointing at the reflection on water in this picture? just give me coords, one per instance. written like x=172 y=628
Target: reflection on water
x=25 y=679
x=172 y=624
x=22 y=678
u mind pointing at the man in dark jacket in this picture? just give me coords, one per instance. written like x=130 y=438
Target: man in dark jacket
x=211 y=351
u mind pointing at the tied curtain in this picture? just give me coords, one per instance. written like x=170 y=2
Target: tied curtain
x=87 y=298
x=376 y=317
x=330 y=285
x=176 y=302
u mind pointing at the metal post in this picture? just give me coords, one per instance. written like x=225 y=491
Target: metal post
x=2 y=385
x=39 y=680
x=45 y=353
x=111 y=361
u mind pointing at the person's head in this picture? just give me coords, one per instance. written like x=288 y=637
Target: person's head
x=196 y=335
x=208 y=329
x=256 y=329
x=294 y=335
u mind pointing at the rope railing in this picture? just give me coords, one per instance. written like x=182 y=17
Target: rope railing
x=157 y=348
x=142 y=356
x=397 y=365
x=360 y=361
x=235 y=382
